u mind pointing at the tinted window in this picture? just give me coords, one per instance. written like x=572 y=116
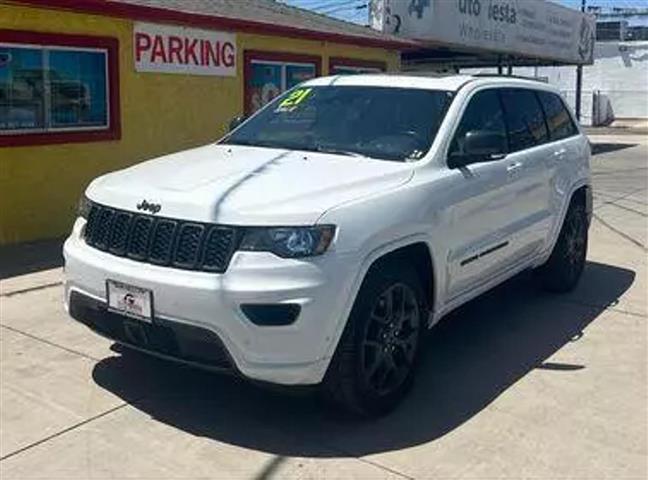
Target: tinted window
x=558 y=118
x=524 y=118
x=378 y=122
x=483 y=114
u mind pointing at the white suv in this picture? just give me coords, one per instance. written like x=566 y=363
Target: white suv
x=315 y=242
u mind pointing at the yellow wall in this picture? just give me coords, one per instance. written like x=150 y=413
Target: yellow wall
x=160 y=113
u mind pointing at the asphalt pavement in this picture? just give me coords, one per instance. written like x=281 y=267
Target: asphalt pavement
x=517 y=384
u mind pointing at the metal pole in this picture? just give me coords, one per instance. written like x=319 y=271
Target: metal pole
x=579 y=78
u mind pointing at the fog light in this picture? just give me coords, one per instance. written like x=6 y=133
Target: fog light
x=271 y=315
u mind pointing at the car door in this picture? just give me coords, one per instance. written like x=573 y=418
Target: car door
x=564 y=145
x=529 y=167
x=480 y=200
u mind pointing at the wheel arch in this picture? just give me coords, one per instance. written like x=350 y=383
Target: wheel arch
x=416 y=253
x=580 y=192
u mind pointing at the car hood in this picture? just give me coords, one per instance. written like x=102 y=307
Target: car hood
x=232 y=184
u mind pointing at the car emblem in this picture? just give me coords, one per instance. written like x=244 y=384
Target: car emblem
x=149 y=207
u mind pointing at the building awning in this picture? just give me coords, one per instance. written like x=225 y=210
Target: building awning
x=465 y=33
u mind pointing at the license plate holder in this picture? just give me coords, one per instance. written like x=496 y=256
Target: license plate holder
x=129 y=300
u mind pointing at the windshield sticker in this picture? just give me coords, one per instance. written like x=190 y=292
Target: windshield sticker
x=293 y=100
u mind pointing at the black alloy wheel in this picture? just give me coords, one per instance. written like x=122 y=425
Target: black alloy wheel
x=390 y=339
x=375 y=361
x=565 y=265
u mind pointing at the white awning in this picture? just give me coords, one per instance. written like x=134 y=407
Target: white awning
x=536 y=29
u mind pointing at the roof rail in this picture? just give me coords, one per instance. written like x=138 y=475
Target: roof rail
x=501 y=75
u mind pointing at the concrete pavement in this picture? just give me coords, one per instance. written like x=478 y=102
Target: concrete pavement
x=516 y=384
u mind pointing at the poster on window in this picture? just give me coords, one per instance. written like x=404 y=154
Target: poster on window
x=265 y=84
x=270 y=79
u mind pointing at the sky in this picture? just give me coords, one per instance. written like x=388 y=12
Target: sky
x=346 y=9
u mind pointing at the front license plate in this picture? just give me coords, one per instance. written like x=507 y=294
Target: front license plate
x=129 y=300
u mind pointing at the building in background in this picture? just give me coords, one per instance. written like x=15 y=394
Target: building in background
x=615 y=85
x=90 y=86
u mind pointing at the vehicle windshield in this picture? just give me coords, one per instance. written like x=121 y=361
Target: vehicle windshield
x=385 y=123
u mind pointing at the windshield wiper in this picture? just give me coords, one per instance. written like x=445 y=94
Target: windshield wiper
x=338 y=151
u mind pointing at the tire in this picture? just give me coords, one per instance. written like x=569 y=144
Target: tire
x=561 y=273
x=375 y=360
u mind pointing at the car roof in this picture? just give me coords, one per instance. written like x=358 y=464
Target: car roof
x=446 y=82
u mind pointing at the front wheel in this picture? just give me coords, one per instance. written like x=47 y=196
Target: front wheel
x=565 y=265
x=373 y=367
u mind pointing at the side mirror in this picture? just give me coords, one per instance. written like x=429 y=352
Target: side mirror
x=479 y=146
x=236 y=121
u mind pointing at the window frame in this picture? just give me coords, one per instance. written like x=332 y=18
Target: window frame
x=361 y=65
x=573 y=124
x=277 y=58
x=65 y=42
x=534 y=93
x=459 y=118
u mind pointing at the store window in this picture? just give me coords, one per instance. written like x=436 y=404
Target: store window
x=51 y=93
x=267 y=75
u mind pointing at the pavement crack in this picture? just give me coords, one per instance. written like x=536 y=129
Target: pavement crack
x=616 y=172
x=605 y=307
x=621 y=233
x=380 y=466
x=32 y=289
x=384 y=468
x=623 y=207
x=64 y=431
x=51 y=344
x=613 y=197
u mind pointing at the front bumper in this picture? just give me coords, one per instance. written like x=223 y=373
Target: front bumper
x=295 y=354
x=176 y=341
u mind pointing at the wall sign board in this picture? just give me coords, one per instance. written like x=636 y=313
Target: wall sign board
x=189 y=51
x=537 y=28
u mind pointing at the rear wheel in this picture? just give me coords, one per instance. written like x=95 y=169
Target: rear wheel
x=374 y=364
x=565 y=265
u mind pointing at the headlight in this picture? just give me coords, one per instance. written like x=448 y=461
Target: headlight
x=83 y=207
x=289 y=242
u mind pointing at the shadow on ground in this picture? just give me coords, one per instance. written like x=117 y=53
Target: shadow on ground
x=30 y=257
x=470 y=358
x=598 y=148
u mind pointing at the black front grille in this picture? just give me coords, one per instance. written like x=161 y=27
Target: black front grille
x=159 y=240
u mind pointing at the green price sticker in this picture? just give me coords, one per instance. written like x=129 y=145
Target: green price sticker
x=294 y=100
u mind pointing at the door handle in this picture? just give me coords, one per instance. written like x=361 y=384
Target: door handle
x=560 y=153
x=556 y=157
x=513 y=167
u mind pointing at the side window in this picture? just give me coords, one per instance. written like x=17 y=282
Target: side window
x=558 y=118
x=483 y=117
x=524 y=117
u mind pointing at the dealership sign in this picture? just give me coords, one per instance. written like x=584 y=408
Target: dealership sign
x=531 y=28
x=168 y=49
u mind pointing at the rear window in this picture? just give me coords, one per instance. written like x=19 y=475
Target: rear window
x=524 y=118
x=558 y=118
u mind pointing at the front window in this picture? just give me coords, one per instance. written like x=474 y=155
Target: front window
x=44 y=89
x=379 y=122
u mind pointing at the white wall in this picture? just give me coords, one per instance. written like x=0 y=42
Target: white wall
x=619 y=72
